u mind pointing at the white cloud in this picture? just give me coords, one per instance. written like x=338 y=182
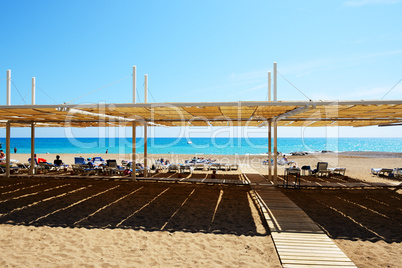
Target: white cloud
x=358 y=3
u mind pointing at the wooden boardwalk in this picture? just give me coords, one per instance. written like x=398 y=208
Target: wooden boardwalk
x=298 y=240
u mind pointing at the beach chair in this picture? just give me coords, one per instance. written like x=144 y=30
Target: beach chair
x=338 y=170
x=397 y=172
x=322 y=169
x=234 y=167
x=173 y=168
x=282 y=162
x=46 y=167
x=186 y=168
x=112 y=167
x=138 y=168
x=201 y=166
x=266 y=162
x=77 y=169
x=79 y=160
x=224 y=167
x=98 y=161
x=22 y=167
x=214 y=166
x=161 y=167
x=382 y=171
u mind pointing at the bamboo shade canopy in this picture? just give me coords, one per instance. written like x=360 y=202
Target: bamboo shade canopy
x=291 y=114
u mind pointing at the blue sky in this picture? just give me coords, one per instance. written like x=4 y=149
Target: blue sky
x=202 y=51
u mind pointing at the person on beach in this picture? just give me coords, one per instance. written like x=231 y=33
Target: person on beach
x=107 y=150
x=15 y=150
x=58 y=161
x=2 y=154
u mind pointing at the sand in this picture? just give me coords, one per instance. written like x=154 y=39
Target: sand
x=183 y=225
x=365 y=224
x=130 y=225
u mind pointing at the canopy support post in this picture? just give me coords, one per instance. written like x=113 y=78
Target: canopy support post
x=269 y=132
x=8 y=126
x=8 y=133
x=275 y=152
x=275 y=128
x=134 y=147
x=32 y=168
x=269 y=151
x=146 y=130
x=134 y=128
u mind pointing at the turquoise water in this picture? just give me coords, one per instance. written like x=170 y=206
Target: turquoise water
x=223 y=146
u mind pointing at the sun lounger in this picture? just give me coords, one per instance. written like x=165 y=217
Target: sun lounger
x=234 y=167
x=112 y=167
x=337 y=170
x=186 y=169
x=266 y=162
x=78 y=160
x=22 y=167
x=202 y=166
x=77 y=169
x=397 y=172
x=322 y=169
x=382 y=171
x=214 y=166
x=161 y=167
x=48 y=167
x=225 y=167
x=173 y=168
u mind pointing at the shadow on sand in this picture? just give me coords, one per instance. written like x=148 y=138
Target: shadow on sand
x=91 y=203
x=368 y=214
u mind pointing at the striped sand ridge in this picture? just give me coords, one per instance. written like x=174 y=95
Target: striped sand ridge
x=299 y=241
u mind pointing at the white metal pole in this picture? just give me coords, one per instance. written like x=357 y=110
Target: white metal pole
x=275 y=128
x=8 y=133
x=269 y=151
x=32 y=169
x=134 y=125
x=146 y=130
x=275 y=152
x=146 y=89
x=134 y=84
x=269 y=132
x=8 y=87
x=134 y=156
x=275 y=81
x=8 y=125
x=33 y=90
x=269 y=86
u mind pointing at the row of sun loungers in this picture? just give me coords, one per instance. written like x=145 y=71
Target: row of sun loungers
x=389 y=172
x=321 y=170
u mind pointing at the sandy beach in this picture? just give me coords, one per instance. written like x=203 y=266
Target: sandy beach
x=91 y=222
x=130 y=225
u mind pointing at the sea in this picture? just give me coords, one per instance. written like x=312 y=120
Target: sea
x=202 y=146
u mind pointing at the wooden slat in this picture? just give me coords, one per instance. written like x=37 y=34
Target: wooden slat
x=298 y=240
